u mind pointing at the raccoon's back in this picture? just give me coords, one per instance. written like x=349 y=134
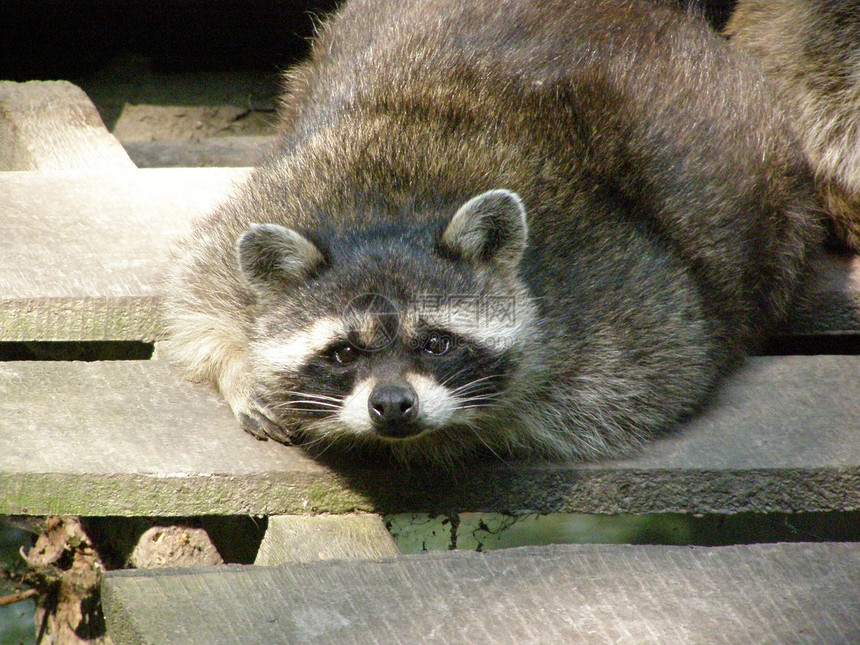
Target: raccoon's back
x=811 y=50
x=592 y=110
x=668 y=214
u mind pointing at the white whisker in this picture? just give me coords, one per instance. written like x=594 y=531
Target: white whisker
x=479 y=394
x=450 y=378
x=322 y=404
x=311 y=395
x=476 y=382
x=485 y=444
x=286 y=405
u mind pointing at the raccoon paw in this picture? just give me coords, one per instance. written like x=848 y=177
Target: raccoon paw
x=259 y=422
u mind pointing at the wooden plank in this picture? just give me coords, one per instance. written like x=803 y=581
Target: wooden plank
x=780 y=594
x=131 y=438
x=308 y=538
x=192 y=153
x=53 y=125
x=82 y=255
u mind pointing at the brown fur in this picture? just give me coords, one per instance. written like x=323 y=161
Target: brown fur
x=669 y=214
x=811 y=50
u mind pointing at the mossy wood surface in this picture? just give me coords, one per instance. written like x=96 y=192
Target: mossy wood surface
x=133 y=438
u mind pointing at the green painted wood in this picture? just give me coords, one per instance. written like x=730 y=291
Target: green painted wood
x=779 y=594
x=133 y=438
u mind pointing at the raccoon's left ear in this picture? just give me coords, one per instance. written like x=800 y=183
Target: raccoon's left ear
x=489 y=229
x=271 y=256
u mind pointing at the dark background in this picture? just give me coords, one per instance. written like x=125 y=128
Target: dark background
x=59 y=39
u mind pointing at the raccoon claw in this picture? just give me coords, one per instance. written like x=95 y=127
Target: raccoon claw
x=258 y=424
x=252 y=427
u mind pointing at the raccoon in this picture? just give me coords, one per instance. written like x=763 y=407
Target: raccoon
x=811 y=49
x=501 y=228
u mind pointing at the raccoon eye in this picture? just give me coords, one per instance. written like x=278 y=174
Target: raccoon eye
x=343 y=354
x=436 y=344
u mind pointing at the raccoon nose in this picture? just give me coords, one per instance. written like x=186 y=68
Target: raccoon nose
x=391 y=407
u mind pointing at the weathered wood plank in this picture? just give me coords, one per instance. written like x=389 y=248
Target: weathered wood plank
x=53 y=125
x=780 y=594
x=193 y=153
x=132 y=438
x=308 y=538
x=82 y=255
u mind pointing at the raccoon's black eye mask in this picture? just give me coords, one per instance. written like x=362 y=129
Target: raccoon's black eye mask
x=435 y=343
x=429 y=343
x=342 y=354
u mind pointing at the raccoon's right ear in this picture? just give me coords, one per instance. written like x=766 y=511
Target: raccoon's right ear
x=270 y=255
x=489 y=230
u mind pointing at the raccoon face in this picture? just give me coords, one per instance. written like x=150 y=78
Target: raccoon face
x=394 y=336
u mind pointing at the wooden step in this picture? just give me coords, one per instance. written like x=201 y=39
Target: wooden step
x=780 y=594
x=133 y=438
x=83 y=254
x=230 y=151
x=309 y=538
x=53 y=125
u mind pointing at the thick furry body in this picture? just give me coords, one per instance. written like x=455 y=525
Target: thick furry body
x=667 y=222
x=811 y=50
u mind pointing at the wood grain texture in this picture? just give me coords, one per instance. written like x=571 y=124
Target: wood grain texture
x=779 y=594
x=192 y=153
x=132 y=438
x=53 y=125
x=308 y=538
x=82 y=254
